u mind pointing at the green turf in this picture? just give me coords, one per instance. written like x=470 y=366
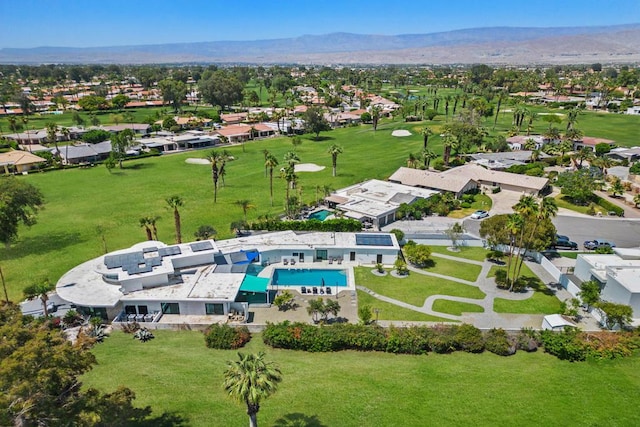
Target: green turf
x=542 y=301
x=466 y=252
x=564 y=202
x=455 y=307
x=176 y=373
x=481 y=202
x=389 y=311
x=415 y=288
x=457 y=269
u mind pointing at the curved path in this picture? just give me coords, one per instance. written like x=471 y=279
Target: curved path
x=488 y=319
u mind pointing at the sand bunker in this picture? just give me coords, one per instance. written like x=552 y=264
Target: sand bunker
x=401 y=132
x=197 y=161
x=308 y=167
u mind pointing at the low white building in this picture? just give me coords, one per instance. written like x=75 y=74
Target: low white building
x=618 y=275
x=205 y=278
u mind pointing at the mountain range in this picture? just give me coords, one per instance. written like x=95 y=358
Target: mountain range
x=497 y=45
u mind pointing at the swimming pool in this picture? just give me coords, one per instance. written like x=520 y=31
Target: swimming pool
x=321 y=215
x=309 y=277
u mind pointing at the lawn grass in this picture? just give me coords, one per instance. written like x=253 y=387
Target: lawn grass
x=415 y=288
x=455 y=307
x=481 y=202
x=389 y=311
x=571 y=254
x=466 y=252
x=542 y=301
x=176 y=373
x=564 y=202
x=457 y=269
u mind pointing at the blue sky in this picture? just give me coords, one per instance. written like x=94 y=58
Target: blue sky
x=86 y=23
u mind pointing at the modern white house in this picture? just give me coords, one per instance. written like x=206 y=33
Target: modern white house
x=618 y=275
x=151 y=280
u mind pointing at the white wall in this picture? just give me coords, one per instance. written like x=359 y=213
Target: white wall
x=582 y=269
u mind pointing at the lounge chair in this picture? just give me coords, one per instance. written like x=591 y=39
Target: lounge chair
x=339 y=261
x=303 y=290
x=328 y=291
x=285 y=261
x=330 y=260
x=321 y=291
x=315 y=290
x=293 y=261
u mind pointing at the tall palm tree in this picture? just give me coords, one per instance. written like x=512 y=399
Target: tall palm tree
x=449 y=141
x=266 y=153
x=334 y=150
x=426 y=133
x=52 y=135
x=514 y=225
x=270 y=162
x=152 y=222
x=245 y=204
x=174 y=203
x=376 y=110
x=251 y=380
x=217 y=160
x=427 y=156
x=545 y=209
x=564 y=146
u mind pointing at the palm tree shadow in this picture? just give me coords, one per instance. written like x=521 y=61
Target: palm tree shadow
x=298 y=420
x=167 y=419
x=42 y=244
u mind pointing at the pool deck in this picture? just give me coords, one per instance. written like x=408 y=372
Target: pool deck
x=347 y=266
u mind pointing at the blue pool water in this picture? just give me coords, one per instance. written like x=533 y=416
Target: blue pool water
x=321 y=215
x=307 y=277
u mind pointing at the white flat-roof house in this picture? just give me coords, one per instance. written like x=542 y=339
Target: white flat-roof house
x=152 y=279
x=618 y=275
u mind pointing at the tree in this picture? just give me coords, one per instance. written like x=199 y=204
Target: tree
x=270 y=162
x=334 y=150
x=365 y=314
x=284 y=300
x=289 y=171
x=616 y=187
x=426 y=133
x=376 y=110
x=174 y=203
x=590 y=292
x=427 y=155
x=615 y=314
x=120 y=143
x=40 y=290
x=220 y=88
x=52 y=136
x=218 y=160
x=144 y=222
x=173 y=92
x=119 y=101
x=315 y=122
x=20 y=202
x=454 y=232
x=205 y=232
x=578 y=185
x=449 y=141
x=245 y=204
x=251 y=380
x=92 y=103
x=418 y=255
x=636 y=200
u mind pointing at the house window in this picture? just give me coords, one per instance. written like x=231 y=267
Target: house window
x=352 y=256
x=214 y=308
x=130 y=309
x=142 y=309
x=379 y=258
x=170 y=308
x=321 y=254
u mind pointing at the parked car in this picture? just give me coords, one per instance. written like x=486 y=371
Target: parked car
x=565 y=244
x=479 y=214
x=562 y=237
x=598 y=243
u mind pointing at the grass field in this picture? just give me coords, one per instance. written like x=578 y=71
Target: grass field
x=481 y=202
x=415 y=288
x=542 y=301
x=387 y=311
x=468 y=252
x=458 y=269
x=455 y=307
x=176 y=373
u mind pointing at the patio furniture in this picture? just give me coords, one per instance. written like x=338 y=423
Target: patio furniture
x=315 y=290
x=285 y=261
x=131 y=317
x=339 y=261
x=293 y=261
x=328 y=291
x=330 y=260
x=140 y=318
x=321 y=291
x=148 y=317
x=303 y=289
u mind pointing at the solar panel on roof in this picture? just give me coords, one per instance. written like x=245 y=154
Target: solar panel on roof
x=201 y=246
x=147 y=250
x=169 y=251
x=373 y=240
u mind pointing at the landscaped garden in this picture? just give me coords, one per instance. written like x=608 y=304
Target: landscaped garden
x=542 y=301
x=414 y=288
x=175 y=373
x=457 y=269
x=388 y=311
x=466 y=252
x=455 y=307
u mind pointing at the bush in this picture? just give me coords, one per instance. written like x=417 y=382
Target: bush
x=495 y=190
x=565 y=345
x=497 y=341
x=465 y=205
x=610 y=207
x=501 y=278
x=469 y=338
x=528 y=340
x=337 y=225
x=225 y=337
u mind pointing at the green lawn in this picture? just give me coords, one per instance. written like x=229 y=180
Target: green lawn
x=415 y=288
x=455 y=307
x=389 y=311
x=457 y=269
x=564 y=202
x=466 y=252
x=175 y=373
x=481 y=202
x=543 y=300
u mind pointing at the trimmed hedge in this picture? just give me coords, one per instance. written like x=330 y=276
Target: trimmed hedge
x=575 y=345
x=337 y=224
x=610 y=207
x=225 y=337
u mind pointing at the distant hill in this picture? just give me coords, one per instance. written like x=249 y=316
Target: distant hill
x=498 y=45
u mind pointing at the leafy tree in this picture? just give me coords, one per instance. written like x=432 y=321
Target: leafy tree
x=602 y=149
x=636 y=200
x=616 y=187
x=615 y=314
x=19 y=204
x=590 y=292
x=173 y=92
x=398 y=233
x=334 y=150
x=93 y=103
x=365 y=314
x=419 y=255
x=205 y=232
x=315 y=122
x=119 y=101
x=175 y=202
x=578 y=185
x=454 y=232
x=251 y=380
x=96 y=135
x=221 y=88
x=284 y=300
x=120 y=143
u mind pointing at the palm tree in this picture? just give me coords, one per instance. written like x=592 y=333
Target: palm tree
x=334 y=150
x=564 y=146
x=545 y=209
x=449 y=141
x=375 y=116
x=552 y=134
x=52 y=135
x=266 y=154
x=427 y=156
x=152 y=222
x=426 y=133
x=251 y=380
x=205 y=232
x=636 y=200
x=514 y=225
x=412 y=161
x=245 y=204
x=572 y=118
x=40 y=290
x=270 y=162
x=144 y=222
x=217 y=160
x=573 y=134
x=174 y=203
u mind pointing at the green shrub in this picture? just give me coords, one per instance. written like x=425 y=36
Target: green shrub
x=469 y=338
x=501 y=278
x=465 y=205
x=496 y=190
x=225 y=337
x=610 y=207
x=565 y=345
x=528 y=340
x=497 y=341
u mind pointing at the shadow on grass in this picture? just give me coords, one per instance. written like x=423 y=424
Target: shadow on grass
x=298 y=420
x=322 y=138
x=42 y=244
x=167 y=419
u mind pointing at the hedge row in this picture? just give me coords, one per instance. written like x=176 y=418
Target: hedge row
x=337 y=224
x=225 y=337
x=412 y=340
x=610 y=207
x=575 y=345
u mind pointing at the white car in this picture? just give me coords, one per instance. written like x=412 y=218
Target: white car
x=479 y=214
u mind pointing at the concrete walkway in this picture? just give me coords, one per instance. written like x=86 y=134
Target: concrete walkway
x=489 y=318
